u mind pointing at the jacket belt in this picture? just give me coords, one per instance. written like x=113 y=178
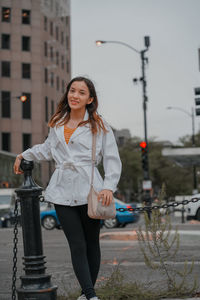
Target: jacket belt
x=74 y=166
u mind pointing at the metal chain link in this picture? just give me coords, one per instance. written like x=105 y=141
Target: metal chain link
x=150 y=208
x=15 y=241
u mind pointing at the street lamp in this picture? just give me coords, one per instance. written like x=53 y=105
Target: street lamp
x=142 y=79
x=191 y=115
x=22 y=98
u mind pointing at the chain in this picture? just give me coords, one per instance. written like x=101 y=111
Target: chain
x=15 y=241
x=121 y=209
x=150 y=208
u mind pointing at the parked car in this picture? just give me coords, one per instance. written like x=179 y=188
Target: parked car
x=8 y=219
x=7 y=197
x=49 y=219
x=7 y=203
x=122 y=218
x=193 y=208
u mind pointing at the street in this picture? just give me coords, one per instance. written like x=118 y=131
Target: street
x=127 y=253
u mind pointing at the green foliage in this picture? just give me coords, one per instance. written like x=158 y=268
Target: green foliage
x=178 y=180
x=131 y=172
x=159 y=246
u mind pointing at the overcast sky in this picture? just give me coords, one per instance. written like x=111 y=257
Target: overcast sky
x=172 y=73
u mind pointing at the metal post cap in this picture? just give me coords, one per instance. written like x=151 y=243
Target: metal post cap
x=26 y=165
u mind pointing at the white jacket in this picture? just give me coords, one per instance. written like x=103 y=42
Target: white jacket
x=70 y=182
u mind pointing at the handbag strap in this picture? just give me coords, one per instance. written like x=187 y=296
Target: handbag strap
x=93 y=156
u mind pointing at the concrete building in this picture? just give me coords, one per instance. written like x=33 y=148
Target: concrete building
x=35 y=62
x=121 y=136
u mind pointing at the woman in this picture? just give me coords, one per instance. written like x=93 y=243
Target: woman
x=69 y=143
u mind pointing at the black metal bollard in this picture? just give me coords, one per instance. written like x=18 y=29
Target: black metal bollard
x=35 y=284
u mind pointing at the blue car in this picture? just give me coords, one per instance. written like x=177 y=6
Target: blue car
x=122 y=218
x=49 y=219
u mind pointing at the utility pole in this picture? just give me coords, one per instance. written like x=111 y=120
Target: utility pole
x=147 y=184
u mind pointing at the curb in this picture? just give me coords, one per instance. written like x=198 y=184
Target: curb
x=120 y=235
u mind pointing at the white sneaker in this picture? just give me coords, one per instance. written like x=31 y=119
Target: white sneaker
x=82 y=297
x=94 y=298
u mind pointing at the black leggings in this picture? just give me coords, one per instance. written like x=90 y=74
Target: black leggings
x=82 y=234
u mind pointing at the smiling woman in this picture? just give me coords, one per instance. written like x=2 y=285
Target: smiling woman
x=69 y=143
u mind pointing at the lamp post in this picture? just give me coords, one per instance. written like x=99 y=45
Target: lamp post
x=191 y=115
x=142 y=79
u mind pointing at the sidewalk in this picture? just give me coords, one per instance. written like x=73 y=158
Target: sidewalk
x=191 y=227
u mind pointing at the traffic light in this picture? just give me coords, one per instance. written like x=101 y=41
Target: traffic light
x=197 y=100
x=143 y=146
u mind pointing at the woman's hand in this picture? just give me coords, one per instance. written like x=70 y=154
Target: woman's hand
x=17 y=163
x=106 y=197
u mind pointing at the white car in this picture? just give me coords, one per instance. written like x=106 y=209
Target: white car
x=193 y=208
x=7 y=196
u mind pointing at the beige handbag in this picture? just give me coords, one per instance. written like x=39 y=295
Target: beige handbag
x=95 y=208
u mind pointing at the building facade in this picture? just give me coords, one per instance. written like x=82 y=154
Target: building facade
x=36 y=63
x=122 y=136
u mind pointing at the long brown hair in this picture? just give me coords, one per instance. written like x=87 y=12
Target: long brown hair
x=63 y=108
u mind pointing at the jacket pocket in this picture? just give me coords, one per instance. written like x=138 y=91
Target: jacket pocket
x=86 y=144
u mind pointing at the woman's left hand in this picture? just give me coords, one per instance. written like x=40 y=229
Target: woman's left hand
x=106 y=197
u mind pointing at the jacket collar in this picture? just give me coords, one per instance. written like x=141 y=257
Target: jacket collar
x=81 y=129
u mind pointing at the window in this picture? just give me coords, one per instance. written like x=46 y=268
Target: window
x=57 y=58
x=5 y=141
x=46 y=75
x=63 y=86
x=6 y=14
x=5 y=104
x=62 y=62
x=26 y=43
x=46 y=109
x=51 y=53
x=5 y=41
x=52 y=79
x=52 y=107
x=26 y=140
x=62 y=37
x=45 y=23
x=26 y=107
x=67 y=20
x=57 y=33
x=5 y=68
x=45 y=49
x=51 y=28
x=57 y=83
x=26 y=71
x=26 y=16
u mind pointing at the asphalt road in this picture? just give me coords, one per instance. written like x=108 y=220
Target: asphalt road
x=125 y=253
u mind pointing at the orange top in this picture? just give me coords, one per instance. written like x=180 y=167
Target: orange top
x=68 y=133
